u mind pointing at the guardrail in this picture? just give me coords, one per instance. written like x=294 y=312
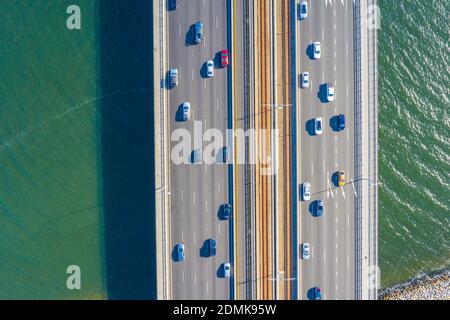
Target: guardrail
x=366 y=165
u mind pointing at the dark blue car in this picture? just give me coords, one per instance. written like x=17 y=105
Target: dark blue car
x=179 y=252
x=225 y=211
x=341 y=122
x=314 y=294
x=318 y=208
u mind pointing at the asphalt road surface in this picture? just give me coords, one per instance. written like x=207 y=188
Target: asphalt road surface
x=331 y=237
x=197 y=191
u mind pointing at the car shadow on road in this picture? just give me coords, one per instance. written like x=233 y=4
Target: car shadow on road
x=310 y=51
x=309 y=127
x=322 y=93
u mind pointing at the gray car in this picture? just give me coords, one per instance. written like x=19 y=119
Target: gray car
x=173 y=78
x=186 y=110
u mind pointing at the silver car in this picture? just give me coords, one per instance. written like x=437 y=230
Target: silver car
x=306 y=191
x=210 y=68
x=306 y=251
x=226 y=270
x=186 y=110
x=316 y=50
x=318 y=126
x=173 y=77
x=305 y=80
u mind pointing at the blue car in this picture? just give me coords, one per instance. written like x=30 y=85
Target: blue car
x=318 y=208
x=212 y=247
x=341 y=122
x=198 y=32
x=179 y=252
x=315 y=294
x=225 y=211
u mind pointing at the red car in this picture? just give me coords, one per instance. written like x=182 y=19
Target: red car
x=224 y=58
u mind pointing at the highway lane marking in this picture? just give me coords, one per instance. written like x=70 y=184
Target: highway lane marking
x=195 y=278
x=312 y=168
x=348 y=220
x=195 y=239
x=354 y=190
x=218 y=231
x=182 y=276
x=324 y=257
x=207 y=287
x=343 y=192
x=192 y=73
x=336 y=207
x=323 y=34
x=204 y=3
x=335 y=68
x=335 y=41
x=347 y=89
x=348 y=262
x=334 y=27
x=348 y=135
x=182 y=236
x=193 y=197
x=218 y=188
x=179 y=30
x=204 y=84
x=335 y=54
x=206 y=206
x=334 y=15
x=336 y=246
x=346 y=48
x=217 y=104
x=323 y=77
x=181 y=195
x=336 y=287
x=217 y=22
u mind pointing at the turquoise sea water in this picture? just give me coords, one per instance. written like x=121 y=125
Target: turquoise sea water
x=50 y=178
x=76 y=158
x=414 y=91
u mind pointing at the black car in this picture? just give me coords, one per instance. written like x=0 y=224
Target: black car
x=225 y=211
x=212 y=247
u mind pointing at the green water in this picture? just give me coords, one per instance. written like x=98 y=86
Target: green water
x=414 y=141
x=50 y=178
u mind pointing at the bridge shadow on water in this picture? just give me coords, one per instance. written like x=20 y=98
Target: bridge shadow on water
x=127 y=148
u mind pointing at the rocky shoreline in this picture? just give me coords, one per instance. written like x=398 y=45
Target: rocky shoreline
x=433 y=286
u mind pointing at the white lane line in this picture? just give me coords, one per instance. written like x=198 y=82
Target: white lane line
x=179 y=30
x=324 y=257
x=206 y=206
x=335 y=54
x=310 y=87
x=334 y=14
x=335 y=68
x=312 y=168
x=207 y=287
x=218 y=188
x=343 y=192
x=195 y=278
x=334 y=27
x=336 y=207
x=337 y=273
x=336 y=246
x=181 y=195
x=217 y=22
x=354 y=189
x=348 y=220
x=346 y=48
x=193 y=197
x=217 y=104
x=323 y=33
x=204 y=84
x=348 y=262
x=337 y=232
x=347 y=89
x=204 y=3
x=337 y=288
x=182 y=276
x=192 y=73
x=182 y=236
x=323 y=77
x=195 y=239
x=335 y=40
x=218 y=230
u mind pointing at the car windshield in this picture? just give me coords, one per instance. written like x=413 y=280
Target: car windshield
x=303 y=8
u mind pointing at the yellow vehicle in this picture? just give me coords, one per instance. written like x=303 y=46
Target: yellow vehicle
x=341 y=178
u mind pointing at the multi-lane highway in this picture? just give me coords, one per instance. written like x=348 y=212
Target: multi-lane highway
x=331 y=236
x=198 y=190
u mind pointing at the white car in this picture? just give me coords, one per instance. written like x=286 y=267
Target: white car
x=186 y=110
x=210 y=68
x=303 y=10
x=306 y=191
x=305 y=80
x=318 y=126
x=306 y=253
x=330 y=92
x=316 y=50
